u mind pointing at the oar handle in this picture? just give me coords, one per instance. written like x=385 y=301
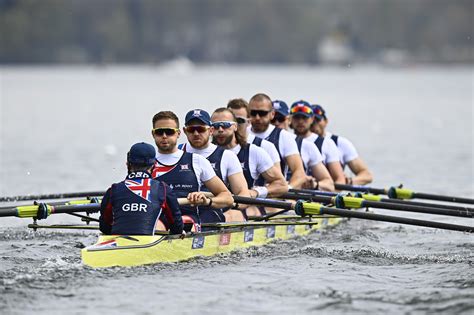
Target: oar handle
x=377 y=191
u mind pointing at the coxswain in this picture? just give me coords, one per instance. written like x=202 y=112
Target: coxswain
x=318 y=175
x=226 y=165
x=348 y=152
x=135 y=205
x=301 y=122
x=261 y=114
x=254 y=160
x=186 y=172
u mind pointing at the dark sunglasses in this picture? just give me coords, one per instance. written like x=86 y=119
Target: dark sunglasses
x=241 y=120
x=261 y=113
x=279 y=118
x=198 y=128
x=223 y=124
x=165 y=131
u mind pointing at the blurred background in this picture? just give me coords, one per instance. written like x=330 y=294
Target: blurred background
x=247 y=31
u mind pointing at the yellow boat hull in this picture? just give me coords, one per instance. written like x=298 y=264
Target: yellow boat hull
x=114 y=250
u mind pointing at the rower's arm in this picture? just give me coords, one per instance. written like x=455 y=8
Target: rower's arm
x=222 y=196
x=277 y=184
x=298 y=177
x=360 y=169
x=321 y=174
x=106 y=214
x=337 y=174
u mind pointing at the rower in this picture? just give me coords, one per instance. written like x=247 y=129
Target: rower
x=254 y=160
x=133 y=206
x=282 y=114
x=348 y=153
x=225 y=163
x=261 y=114
x=186 y=172
x=240 y=108
x=301 y=121
x=318 y=175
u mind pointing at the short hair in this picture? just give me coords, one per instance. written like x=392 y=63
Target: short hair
x=238 y=137
x=259 y=97
x=166 y=114
x=238 y=103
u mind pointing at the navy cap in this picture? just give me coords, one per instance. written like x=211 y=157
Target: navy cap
x=302 y=108
x=281 y=107
x=198 y=114
x=141 y=154
x=319 y=111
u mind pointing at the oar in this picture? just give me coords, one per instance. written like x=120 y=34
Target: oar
x=401 y=193
x=266 y=203
x=350 y=202
x=53 y=196
x=43 y=210
x=311 y=208
x=371 y=197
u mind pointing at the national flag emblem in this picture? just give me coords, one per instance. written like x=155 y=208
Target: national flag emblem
x=197 y=113
x=140 y=187
x=184 y=166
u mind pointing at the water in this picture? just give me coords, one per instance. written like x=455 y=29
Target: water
x=68 y=129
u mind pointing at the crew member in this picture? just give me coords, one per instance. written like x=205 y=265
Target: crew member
x=348 y=153
x=186 y=172
x=261 y=114
x=133 y=206
x=301 y=121
x=240 y=108
x=318 y=175
x=254 y=160
x=198 y=130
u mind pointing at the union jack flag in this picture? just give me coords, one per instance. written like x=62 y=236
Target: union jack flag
x=140 y=187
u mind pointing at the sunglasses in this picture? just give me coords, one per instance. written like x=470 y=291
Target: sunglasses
x=279 y=118
x=198 y=128
x=164 y=131
x=301 y=109
x=260 y=113
x=223 y=124
x=241 y=120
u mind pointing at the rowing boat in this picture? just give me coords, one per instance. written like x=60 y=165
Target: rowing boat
x=127 y=251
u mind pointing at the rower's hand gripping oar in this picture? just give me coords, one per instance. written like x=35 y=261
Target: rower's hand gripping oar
x=401 y=193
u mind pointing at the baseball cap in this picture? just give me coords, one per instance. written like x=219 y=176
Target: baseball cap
x=198 y=114
x=318 y=111
x=280 y=107
x=141 y=154
x=301 y=108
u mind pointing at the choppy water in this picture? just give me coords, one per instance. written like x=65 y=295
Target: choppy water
x=67 y=129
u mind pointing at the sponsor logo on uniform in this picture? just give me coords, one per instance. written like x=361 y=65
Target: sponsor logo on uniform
x=270 y=232
x=242 y=165
x=248 y=235
x=224 y=239
x=198 y=242
x=213 y=165
x=290 y=229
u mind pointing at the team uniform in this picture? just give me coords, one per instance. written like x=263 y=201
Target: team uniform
x=224 y=162
x=327 y=147
x=186 y=172
x=309 y=154
x=346 y=149
x=266 y=145
x=133 y=207
x=283 y=141
x=254 y=160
